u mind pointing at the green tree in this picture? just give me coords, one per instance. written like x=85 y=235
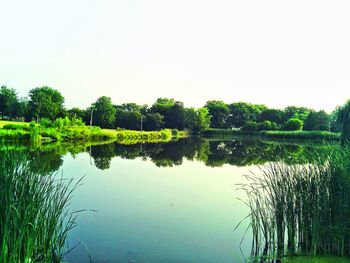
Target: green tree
x=267 y=126
x=45 y=102
x=344 y=121
x=293 y=124
x=220 y=113
x=197 y=120
x=250 y=126
x=104 y=113
x=130 y=120
x=172 y=111
x=8 y=102
x=317 y=120
x=272 y=115
x=296 y=112
x=242 y=112
x=153 y=122
x=77 y=113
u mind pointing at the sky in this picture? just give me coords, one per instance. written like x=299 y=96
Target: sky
x=276 y=53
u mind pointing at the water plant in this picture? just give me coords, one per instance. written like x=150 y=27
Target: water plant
x=300 y=209
x=34 y=215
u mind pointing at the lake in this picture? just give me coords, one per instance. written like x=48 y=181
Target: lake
x=169 y=202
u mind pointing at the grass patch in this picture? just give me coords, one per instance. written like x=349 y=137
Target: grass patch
x=2 y=123
x=301 y=135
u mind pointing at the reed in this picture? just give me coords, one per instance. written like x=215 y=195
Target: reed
x=34 y=215
x=300 y=209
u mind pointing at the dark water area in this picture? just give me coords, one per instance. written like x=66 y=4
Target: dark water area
x=174 y=202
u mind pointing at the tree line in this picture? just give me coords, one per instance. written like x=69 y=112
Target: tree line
x=48 y=103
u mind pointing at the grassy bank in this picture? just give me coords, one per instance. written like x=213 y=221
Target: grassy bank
x=293 y=135
x=301 y=135
x=64 y=130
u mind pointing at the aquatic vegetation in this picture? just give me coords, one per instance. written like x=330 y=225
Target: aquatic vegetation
x=34 y=214
x=300 y=209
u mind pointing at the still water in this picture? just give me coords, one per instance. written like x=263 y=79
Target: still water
x=169 y=202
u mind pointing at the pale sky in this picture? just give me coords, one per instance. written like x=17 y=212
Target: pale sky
x=276 y=53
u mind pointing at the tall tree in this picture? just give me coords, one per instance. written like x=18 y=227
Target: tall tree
x=296 y=112
x=8 y=102
x=317 y=120
x=344 y=121
x=273 y=115
x=45 y=102
x=173 y=112
x=241 y=113
x=153 y=122
x=104 y=113
x=197 y=120
x=219 y=112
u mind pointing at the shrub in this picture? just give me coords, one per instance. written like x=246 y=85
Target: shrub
x=44 y=122
x=293 y=124
x=250 y=126
x=267 y=126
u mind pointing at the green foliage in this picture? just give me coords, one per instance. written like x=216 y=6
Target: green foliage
x=8 y=102
x=344 y=121
x=317 y=121
x=250 y=126
x=130 y=120
x=272 y=115
x=219 y=112
x=104 y=112
x=132 y=137
x=293 y=124
x=242 y=112
x=267 y=125
x=78 y=114
x=172 y=111
x=296 y=112
x=153 y=122
x=45 y=102
x=47 y=123
x=197 y=121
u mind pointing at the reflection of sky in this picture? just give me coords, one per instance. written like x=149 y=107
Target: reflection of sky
x=185 y=213
x=267 y=52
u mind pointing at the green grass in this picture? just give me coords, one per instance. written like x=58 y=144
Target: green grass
x=2 y=123
x=301 y=135
x=294 y=135
x=34 y=215
x=64 y=130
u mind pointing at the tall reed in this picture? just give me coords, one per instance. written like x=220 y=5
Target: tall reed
x=300 y=209
x=34 y=215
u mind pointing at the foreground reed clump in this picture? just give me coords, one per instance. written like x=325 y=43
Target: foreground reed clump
x=34 y=217
x=300 y=209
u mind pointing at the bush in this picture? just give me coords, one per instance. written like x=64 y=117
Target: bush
x=250 y=126
x=175 y=132
x=46 y=123
x=293 y=124
x=267 y=126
